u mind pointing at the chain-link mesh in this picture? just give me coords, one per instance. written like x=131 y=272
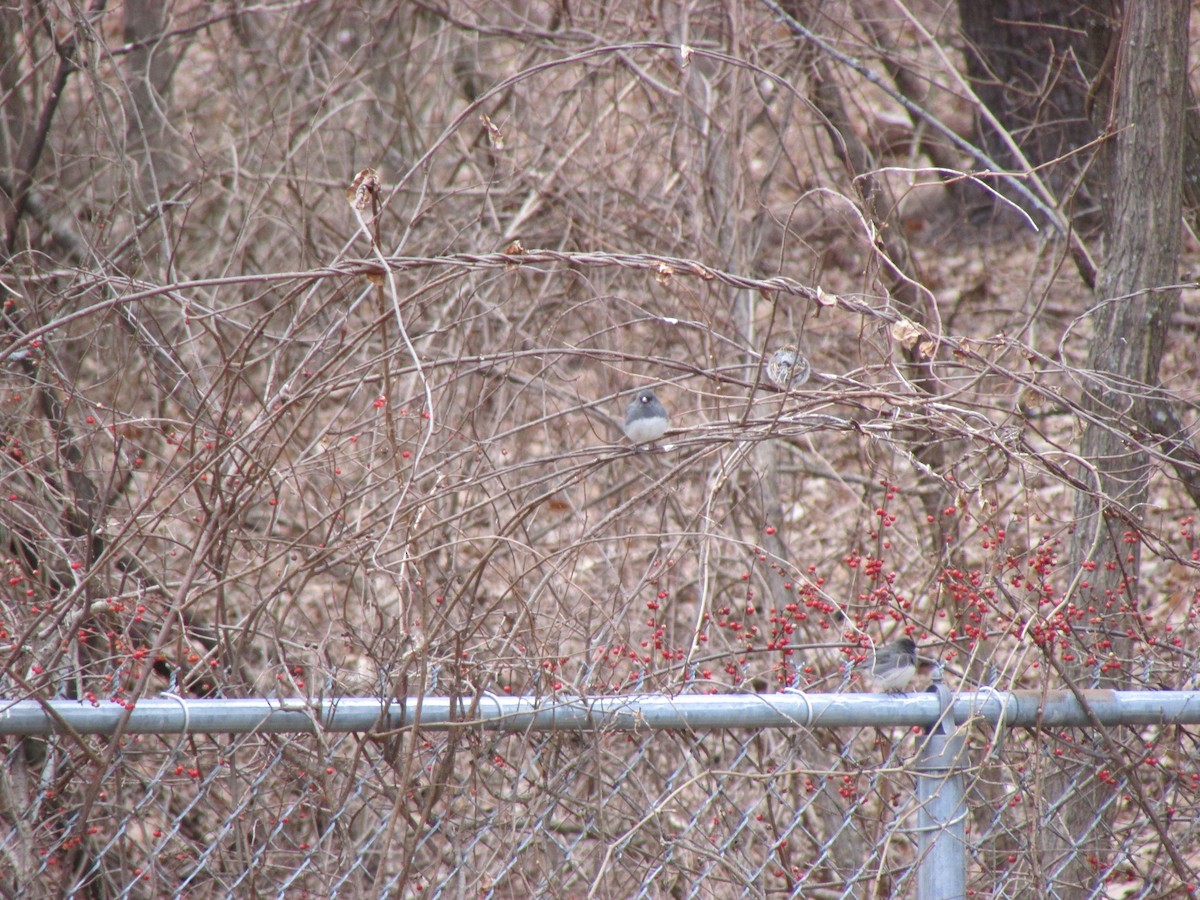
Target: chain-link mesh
x=726 y=813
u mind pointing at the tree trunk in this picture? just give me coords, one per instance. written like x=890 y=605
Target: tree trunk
x=1135 y=302
x=1043 y=69
x=150 y=66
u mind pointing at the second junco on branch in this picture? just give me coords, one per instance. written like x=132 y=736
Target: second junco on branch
x=894 y=666
x=646 y=418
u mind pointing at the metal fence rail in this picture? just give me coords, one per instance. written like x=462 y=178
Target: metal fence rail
x=634 y=712
x=748 y=795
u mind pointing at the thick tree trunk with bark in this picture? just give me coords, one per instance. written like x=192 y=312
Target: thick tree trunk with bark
x=1135 y=298
x=1043 y=69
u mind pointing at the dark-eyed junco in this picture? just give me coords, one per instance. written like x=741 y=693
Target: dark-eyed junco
x=787 y=368
x=894 y=666
x=646 y=418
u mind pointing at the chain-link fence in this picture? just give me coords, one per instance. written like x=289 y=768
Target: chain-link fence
x=615 y=797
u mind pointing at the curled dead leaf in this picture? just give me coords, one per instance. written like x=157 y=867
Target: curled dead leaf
x=495 y=135
x=513 y=249
x=906 y=334
x=365 y=187
x=664 y=273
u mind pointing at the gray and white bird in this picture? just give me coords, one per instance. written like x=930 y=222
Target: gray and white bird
x=788 y=368
x=646 y=418
x=894 y=666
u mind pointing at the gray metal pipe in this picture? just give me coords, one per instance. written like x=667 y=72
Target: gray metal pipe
x=646 y=712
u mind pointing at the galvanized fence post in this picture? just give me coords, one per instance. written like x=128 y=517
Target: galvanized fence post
x=942 y=812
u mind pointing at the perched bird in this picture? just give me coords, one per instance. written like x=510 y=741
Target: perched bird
x=646 y=418
x=788 y=368
x=894 y=666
